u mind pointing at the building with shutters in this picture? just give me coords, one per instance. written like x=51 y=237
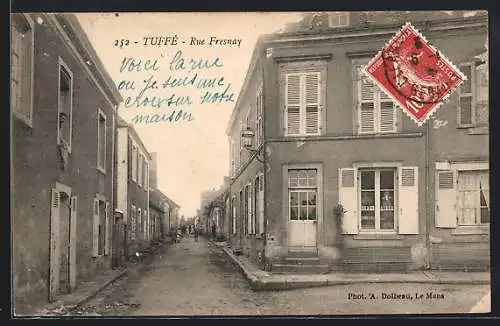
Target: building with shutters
x=63 y=106
x=132 y=187
x=324 y=134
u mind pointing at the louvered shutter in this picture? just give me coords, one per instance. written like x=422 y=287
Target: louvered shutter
x=261 y=204
x=312 y=102
x=366 y=102
x=95 y=228
x=387 y=113
x=348 y=198
x=292 y=104
x=408 y=200
x=54 y=245
x=72 y=243
x=250 y=210
x=107 y=230
x=446 y=199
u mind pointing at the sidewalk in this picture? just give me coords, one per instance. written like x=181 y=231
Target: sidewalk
x=261 y=280
x=90 y=289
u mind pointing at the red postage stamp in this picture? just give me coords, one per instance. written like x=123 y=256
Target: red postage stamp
x=414 y=74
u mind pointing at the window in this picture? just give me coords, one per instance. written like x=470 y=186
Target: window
x=473 y=95
x=100 y=228
x=259 y=204
x=101 y=141
x=22 y=53
x=302 y=103
x=302 y=194
x=251 y=209
x=134 y=162
x=338 y=19
x=233 y=210
x=377 y=193
x=139 y=170
x=243 y=225
x=145 y=224
x=65 y=106
x=133 y=223
x=139 y=223
x=473 y=198
x=376 y=111
x=259 y=126
x=146 y=175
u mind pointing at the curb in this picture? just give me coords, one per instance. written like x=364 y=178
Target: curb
x=292 y=281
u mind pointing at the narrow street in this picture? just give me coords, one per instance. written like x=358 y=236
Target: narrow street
x=194 y=278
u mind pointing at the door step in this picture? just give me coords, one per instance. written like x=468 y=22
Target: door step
x=299 y=269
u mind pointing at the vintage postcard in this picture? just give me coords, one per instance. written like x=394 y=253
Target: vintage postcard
x=250 y=163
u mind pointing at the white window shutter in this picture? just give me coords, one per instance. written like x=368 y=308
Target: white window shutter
x=95 y=229
x=54 y=244
x=387 y=113
x=292 y=104
x=72 y=241
x=107 y=228
x=348 y=198
x=250 y=210
x=261 y=204
x=366 y=103
x=312 y=102
x=408 y=200
x=446 y=199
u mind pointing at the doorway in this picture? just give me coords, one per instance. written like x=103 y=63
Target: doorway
x=62 y=262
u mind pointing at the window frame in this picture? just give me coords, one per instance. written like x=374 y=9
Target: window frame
x=377 y=170
x=338 y=14
x=377 y=108
x=470 y=167
x=259 y=120
x=61 y=65
x=134 y=160
x=233 y=215
x=30 y=48
x=101 y=166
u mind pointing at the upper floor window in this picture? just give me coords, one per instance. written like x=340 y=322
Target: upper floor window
x=376 y=112
x=21 y=82
x=473 y=95
x=303 y=97
x=140 y=174
x=101 y=141
x=259 y=126
x=134 y=162
x=338 y=19
x=65 y=105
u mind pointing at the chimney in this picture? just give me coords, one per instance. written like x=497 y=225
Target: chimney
x=153 y=171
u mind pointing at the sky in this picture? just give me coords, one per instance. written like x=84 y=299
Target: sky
x=193 y=156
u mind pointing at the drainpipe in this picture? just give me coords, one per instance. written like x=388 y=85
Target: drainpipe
x=113 y=201
x=427 y=181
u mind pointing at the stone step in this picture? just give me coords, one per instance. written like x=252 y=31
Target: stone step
x=302 y=260
x=302 y=253
x=299 y=269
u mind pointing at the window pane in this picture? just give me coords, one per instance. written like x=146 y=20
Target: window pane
x=311 y=198
x=367 y=198
x=386 y=220
x=485 y=215
x=368 y=219
x=303 y=213
x=466 y=85
x=386 y=179
x=367 y=179
x=311 y=213
x=303 y=198
x=311 y=175
x=466 y=109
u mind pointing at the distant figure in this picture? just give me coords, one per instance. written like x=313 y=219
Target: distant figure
x=189 y=229
x=213 y=231
x=196 y=229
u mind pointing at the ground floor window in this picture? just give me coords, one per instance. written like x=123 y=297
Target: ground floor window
x=377 y=192
x=473 y=198
x=302 y=194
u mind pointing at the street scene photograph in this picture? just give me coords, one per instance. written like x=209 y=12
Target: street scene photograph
x=327 y=163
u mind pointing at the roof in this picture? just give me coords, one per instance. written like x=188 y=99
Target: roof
x=79 y=38
x=121 y=123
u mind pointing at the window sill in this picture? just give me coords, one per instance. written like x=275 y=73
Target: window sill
x=471 y=230
x=483 y=130
x=24 y=119
x=378 y=236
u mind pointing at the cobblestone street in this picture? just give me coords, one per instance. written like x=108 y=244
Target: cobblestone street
x=195 y=278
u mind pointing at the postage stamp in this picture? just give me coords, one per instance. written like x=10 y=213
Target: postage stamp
x=414 y=74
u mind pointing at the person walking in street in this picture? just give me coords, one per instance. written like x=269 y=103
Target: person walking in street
x=196 y=230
